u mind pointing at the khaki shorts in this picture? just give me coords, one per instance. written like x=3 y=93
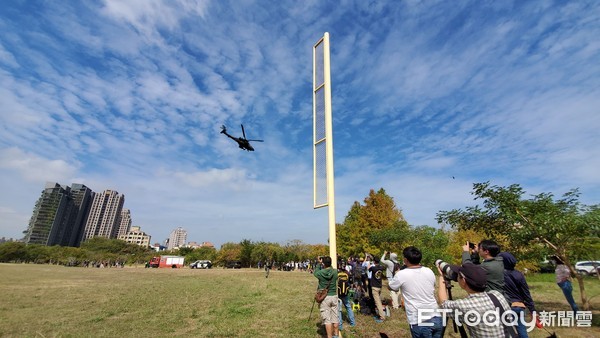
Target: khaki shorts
x=329 y=310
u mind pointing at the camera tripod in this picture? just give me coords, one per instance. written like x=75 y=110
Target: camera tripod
x=461 y=329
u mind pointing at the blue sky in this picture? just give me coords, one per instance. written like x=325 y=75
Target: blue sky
x=130 y=95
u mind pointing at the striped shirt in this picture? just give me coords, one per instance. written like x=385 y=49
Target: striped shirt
x=562 y=273
x=474 y=306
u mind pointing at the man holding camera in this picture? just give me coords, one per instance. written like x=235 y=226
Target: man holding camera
x=329 y=306
x=474 y=311
x=417 y=284
x=389 y=274
x=488 y=250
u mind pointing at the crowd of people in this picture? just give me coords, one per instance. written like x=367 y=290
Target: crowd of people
x=487 y=275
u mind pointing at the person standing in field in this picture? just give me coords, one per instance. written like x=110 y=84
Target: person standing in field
x=488 y=251
x=389 y=274
x=417 y=284
x=517 y=292
x=328 y=308
x=471 y=310
x=344 y=302
x=376 y=282
x=563 y=279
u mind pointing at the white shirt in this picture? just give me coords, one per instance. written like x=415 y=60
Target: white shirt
x=366 y=265
x=418 y=288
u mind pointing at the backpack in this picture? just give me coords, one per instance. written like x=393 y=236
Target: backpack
x=343 y=285
x=398 y=267
x=358 y=270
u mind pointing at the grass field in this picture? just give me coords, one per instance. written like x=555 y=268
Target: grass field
x=57 y=301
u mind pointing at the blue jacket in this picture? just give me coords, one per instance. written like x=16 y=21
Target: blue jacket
x=515 y=285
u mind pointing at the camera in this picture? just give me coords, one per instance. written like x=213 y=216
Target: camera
x=471 y=245
x=446 y=271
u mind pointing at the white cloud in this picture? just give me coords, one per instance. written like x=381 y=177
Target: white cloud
x=130 y=96
x=34 y=168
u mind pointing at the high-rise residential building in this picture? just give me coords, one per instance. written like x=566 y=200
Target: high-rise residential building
x=105 y=215
x=125 y=222
x=136 y=236
x=51 y=216
x=177 y=238
x=82 y=198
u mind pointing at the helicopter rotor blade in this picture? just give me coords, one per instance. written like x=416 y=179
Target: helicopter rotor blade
x=243 y=132
x=256 y=140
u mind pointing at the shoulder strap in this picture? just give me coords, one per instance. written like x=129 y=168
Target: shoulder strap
x=496 y=302
x=329 y=283
x=509 y=331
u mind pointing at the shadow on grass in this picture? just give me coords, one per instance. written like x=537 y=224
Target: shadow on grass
x=552 y=306
x=321 y=330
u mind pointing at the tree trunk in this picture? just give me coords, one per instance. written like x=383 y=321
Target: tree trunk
x=584 y=299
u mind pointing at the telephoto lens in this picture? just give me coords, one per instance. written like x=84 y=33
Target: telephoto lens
x=446 y=271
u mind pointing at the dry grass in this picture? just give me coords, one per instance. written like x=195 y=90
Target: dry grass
x=56 y=301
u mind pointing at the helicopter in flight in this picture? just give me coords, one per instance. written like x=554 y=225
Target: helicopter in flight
x=242 y=142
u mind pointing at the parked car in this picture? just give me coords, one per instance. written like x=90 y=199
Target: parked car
x=587 y=267
x=233 y=265
x=202 y=264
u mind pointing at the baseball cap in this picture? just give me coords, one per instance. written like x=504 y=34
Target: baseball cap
x=394 y=257
x=475 y=275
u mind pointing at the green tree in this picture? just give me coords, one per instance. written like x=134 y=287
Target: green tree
x=202 y=253
x=101 y=244
x=184 y=251
x=432 y=242
x=12 y=251
x=246 y=252
x=365 y=225
x=229 y=252
x=37 y=253
x=300 y=249
x=264 y=251
x=559 y=225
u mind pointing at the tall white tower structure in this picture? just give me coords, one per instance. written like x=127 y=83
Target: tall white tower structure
x=177 y=238
x=323 y=188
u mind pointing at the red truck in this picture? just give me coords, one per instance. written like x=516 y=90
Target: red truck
x=166 y=262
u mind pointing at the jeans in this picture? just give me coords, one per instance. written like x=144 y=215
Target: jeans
x=346 y=303
x=434 y=331
x=521 y=328
x=567 y=289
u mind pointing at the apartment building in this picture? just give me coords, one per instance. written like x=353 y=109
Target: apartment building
x=105 y=215
x=177 y=238
x=136 y=236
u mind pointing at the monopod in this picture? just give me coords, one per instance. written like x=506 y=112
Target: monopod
x=461 y=329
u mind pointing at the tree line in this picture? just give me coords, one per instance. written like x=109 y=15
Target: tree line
x=532 y=228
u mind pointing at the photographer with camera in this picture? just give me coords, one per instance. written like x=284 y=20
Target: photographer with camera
x=328 y=308
x=488 y=250
x=471 y=311
x=417 y=284
x=391 y=266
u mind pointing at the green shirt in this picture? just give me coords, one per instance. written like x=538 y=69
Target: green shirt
x=325 y=276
